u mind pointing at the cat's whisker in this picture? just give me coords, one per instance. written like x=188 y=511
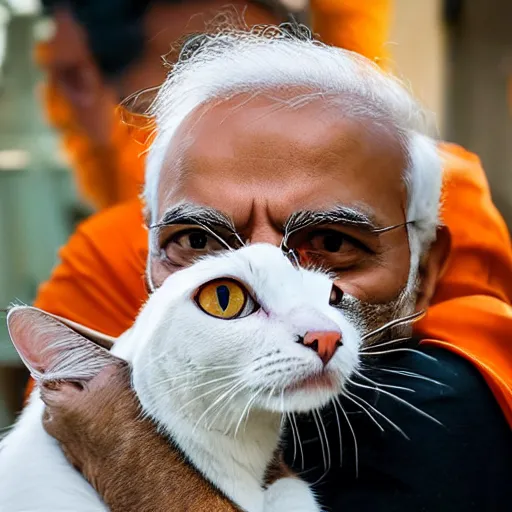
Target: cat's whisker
x=405 y=373
x=396 y=350
x=264 y=356
x=275 y=369
x=202 y=384
x=356 y=449
x=355 y=399
x=276 y=365
x=270 y=395
x=288 y=417
x=350 y=396
x=177 y=376
x=294 y=421
x=339 y=429
x=329 y=462
x=379 y=384
x=398 y=399
x=225 y=406
x=246 y=409
x=185 y=381
x=191 y=373
x=313 y=414
x=322 y=433
x=404 y=320
x=153 y=361
x=216 y=401
x=326 y=455
x=209 y=392
x=210 y=368
x=248 y=413
x=217 y=367
x=386 y=343
x=195 y=369
x=234 y=412
x=192 y=376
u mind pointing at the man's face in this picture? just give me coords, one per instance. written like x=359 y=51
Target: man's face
x=258 y=163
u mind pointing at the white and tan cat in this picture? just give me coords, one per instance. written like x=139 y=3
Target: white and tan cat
x=219 y=353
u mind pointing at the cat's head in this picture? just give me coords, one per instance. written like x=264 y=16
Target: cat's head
x=243 y=329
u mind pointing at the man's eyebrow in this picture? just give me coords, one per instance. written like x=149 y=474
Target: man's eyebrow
x=190 y=213
x=338 y=215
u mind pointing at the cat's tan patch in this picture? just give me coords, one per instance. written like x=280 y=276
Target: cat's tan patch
x=132 y=468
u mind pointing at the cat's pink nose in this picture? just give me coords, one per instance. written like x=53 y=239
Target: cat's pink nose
x=324 y=343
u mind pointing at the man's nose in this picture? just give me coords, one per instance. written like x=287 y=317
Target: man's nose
x=324 y=343
x=264 y=234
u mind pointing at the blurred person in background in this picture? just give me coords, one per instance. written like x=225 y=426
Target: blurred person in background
x=101 y=53
x=100 y=279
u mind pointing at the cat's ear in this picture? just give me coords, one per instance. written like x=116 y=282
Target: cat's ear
x=52 y=350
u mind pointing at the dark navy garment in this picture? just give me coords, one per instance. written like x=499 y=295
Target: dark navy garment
x=462 y=465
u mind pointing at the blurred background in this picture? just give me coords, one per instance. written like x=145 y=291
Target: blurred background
x=65 y=65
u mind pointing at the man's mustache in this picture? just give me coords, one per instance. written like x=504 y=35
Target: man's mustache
x=369 y=317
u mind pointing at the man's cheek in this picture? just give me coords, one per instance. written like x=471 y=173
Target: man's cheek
x=157 y=273
x=378 y=285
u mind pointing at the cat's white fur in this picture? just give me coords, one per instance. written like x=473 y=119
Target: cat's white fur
x=178 y=353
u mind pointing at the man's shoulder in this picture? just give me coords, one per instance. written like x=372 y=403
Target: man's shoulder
x=425 y=433
x=438 y=376
x=445 y=407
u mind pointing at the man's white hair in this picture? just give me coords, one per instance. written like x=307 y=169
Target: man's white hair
x=216 y=67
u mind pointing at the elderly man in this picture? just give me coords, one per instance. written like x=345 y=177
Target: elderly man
x=284 y=141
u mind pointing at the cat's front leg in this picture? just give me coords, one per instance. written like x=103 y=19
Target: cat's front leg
x=290 y=495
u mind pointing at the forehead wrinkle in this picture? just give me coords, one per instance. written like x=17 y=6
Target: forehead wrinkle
x=187 y=164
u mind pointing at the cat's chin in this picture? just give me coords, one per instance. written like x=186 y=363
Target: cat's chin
x=304 y=395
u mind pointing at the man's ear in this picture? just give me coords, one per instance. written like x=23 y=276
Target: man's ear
x=433 y=268
x=54 y=351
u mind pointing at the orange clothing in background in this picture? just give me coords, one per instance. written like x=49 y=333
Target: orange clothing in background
x=355 y=25
x=106 y=173
x=100 y=281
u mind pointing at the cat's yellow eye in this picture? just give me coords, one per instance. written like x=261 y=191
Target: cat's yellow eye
x=225 y=298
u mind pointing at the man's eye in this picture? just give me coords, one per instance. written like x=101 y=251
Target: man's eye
x=184 y=247
x=197 y=240
x=330 y=241
x=329 y=249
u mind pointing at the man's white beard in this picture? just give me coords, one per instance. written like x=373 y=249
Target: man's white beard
x=369 y=316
